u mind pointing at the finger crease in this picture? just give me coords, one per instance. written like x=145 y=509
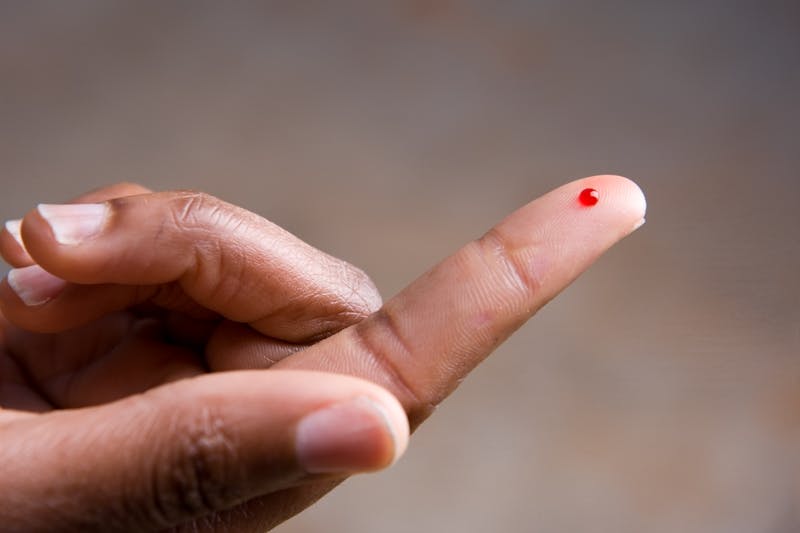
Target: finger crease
x=388 y=334
x=522 y=278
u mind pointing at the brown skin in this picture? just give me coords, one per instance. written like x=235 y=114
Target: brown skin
x=182 y=285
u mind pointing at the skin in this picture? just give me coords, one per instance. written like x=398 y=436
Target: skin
x=117 y=415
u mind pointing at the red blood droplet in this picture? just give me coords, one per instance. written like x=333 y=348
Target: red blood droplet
x=589 y=197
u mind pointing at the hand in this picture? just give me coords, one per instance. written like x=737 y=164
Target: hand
x=144 y=307
x=418 y=346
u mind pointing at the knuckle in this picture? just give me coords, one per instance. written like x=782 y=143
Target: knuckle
x=204 y=219
x=202 y=212
x=193 y=477
x=191 y=209
x=205 y=224
x=388 y=351
x=502 y=258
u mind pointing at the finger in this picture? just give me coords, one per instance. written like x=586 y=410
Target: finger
x=165 y=246
x=84 y=366
x=109 y=192
x=239 y=347
x=15 y=389
x=423 y=342
x=192 y=448
x=437 y=312
x=12 y=248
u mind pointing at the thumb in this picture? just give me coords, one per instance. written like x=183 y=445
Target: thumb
x=190 y=448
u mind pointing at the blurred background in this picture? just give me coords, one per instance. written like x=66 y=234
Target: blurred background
x=660 y=393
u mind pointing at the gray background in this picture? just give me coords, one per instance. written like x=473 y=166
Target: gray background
x=660 y=393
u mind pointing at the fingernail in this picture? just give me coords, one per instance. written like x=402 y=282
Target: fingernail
x=34 y=285
x=352 y=436
x=13 y=227
x=638 y=225
x=74 y=223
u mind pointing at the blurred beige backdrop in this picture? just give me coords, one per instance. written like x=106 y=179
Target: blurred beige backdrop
x=660 y=393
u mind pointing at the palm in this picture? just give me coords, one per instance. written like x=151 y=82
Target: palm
x=115 y=356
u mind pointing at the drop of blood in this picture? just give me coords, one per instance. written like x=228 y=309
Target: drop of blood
x=589 y=197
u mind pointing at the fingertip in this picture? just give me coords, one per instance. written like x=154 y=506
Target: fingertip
x=621 y=195
x=575 y=223
x=34 y=286
x=369 y=294
x=396 y=420
x=12 y=247
x=13 y=227
x=72 y=224
x=637 y=199
x=360 y=434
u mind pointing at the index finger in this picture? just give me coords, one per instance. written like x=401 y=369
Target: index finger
x=422 y=342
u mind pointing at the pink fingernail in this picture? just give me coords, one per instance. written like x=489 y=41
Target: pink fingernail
x=74 y=223
x=13 y=227
x=34 y=285
x=352 y=436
